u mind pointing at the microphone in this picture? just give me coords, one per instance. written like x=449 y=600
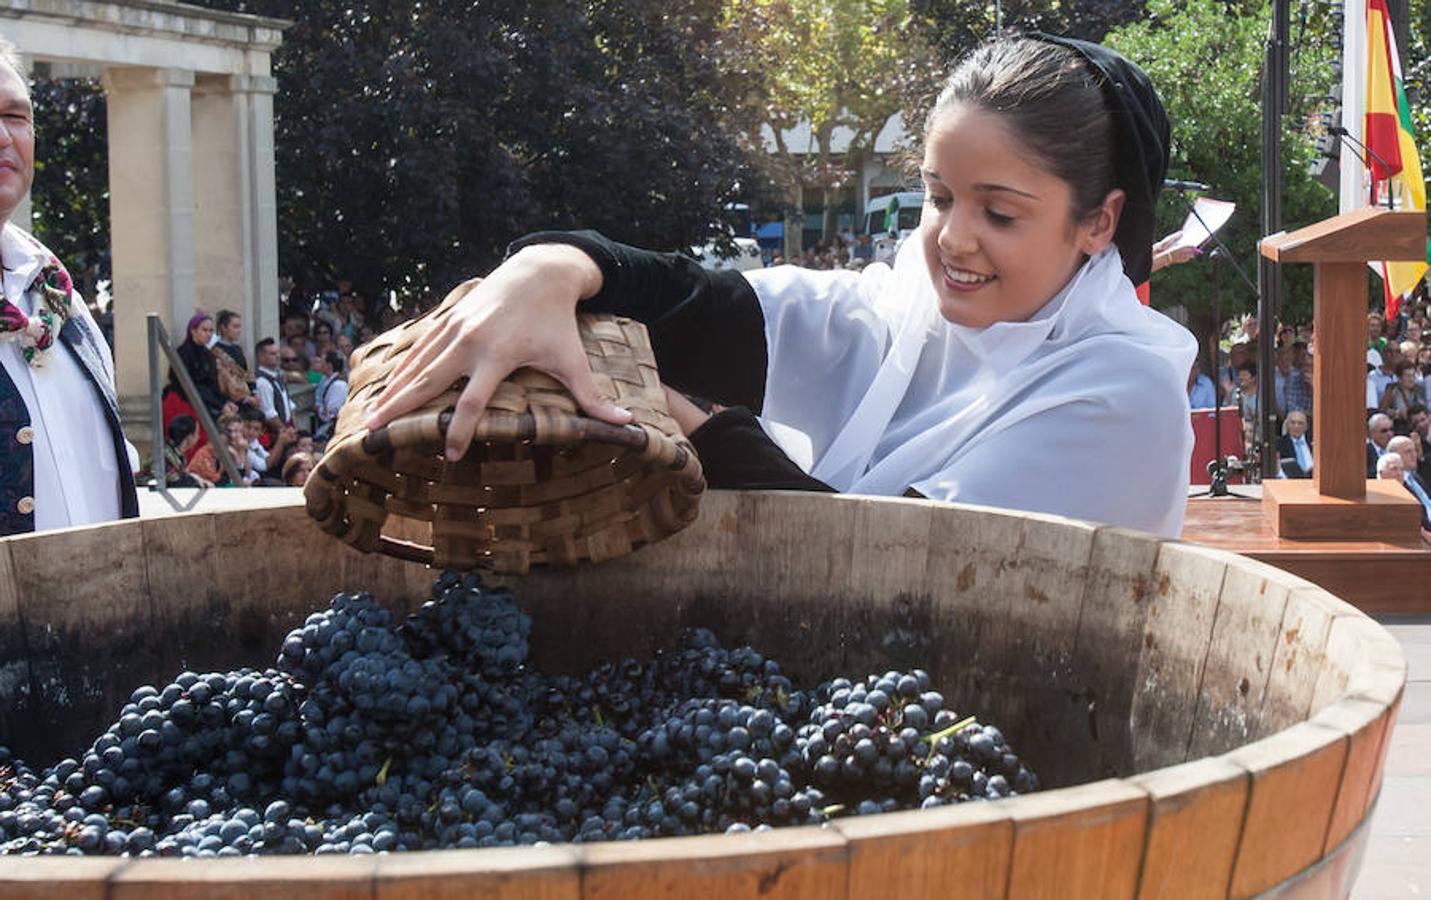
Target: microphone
x=1174 y=184
x=1356 y=143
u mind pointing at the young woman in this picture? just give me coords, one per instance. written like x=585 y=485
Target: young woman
x=1004 y=359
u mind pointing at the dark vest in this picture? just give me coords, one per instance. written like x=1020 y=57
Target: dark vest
x=281 y=404
x=17 y=460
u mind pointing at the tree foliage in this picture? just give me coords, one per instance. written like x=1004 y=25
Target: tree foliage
x=950 y=28
x=1206 y=59
x=415 y=140
x=70 y=197
x=826 y=64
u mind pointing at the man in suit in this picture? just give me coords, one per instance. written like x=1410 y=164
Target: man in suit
x=1406 y=449
x=1378 y=433
x=1294 y=448
x=63 y=457
x=1420 y=420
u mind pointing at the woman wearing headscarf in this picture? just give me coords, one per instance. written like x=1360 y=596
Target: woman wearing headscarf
x=1004 y=359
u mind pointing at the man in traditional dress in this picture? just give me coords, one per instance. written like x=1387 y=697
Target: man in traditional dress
x=63 y=457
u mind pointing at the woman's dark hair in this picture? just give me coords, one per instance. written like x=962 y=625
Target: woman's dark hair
x=1407 y=364
x=180 y=427
x=336 y=360
x=1249 y=367
x=226 y=316
x=1052 y=101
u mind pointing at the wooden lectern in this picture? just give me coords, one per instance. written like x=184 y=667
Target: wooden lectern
x=1340 y=503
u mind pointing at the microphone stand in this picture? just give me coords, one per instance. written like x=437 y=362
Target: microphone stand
x=1217 y=469
x=1354 y=143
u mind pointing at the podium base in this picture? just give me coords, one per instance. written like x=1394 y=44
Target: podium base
x=1296 y=511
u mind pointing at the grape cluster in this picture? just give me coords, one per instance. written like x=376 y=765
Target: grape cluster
x=372 y=736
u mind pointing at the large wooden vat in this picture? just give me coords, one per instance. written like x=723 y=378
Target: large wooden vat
x=1212 y=726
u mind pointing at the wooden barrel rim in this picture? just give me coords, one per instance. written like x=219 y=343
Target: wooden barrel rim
x=1336 y=754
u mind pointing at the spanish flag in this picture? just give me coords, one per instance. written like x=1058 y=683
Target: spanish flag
x=1395 y=166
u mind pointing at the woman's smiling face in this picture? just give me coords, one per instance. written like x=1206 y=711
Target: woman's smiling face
x=997 y=230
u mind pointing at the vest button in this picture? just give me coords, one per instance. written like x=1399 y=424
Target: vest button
x=26 y=505
x=25 y=435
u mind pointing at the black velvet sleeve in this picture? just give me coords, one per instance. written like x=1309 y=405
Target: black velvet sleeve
x=736 y=452
x=706 y=328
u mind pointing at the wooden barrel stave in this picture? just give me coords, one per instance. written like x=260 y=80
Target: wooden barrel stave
x=861 y=584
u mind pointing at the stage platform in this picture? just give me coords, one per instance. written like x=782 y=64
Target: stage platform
x=1375 y=576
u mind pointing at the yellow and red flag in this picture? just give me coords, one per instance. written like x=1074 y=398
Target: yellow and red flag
x=1394 y=163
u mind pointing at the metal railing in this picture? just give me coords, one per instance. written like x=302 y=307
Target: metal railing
x=159 y=342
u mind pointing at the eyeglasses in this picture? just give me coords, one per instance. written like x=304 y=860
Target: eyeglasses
x=288 y=359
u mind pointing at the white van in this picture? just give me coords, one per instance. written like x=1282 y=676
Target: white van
x=908 y=206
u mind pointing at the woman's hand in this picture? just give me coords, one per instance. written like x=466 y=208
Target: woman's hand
x=523 y=314
x=1165 y=254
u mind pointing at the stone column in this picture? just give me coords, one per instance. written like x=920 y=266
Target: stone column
x=151 y=203
x=222 y=231
x=262 y=207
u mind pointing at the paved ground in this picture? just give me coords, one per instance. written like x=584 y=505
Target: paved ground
x=1398 y=857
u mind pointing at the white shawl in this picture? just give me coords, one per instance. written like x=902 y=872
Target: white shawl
x=1080 y=411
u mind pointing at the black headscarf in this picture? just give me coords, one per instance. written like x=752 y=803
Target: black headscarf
x=1142 y=136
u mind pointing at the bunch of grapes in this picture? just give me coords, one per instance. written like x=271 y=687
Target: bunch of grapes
x=375 y=737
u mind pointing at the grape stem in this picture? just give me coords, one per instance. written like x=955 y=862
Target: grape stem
x=382 y=778
x=954 y=729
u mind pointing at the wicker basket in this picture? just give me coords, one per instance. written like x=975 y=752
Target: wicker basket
x=542 y=483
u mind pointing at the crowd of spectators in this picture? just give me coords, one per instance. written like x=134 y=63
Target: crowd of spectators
x=1398 y=395
x=276 y=416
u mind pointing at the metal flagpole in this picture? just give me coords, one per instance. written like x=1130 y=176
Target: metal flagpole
x=1274 y=102
x=1355 y=186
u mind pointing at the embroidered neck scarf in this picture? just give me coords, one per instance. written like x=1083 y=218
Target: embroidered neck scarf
x=36 y=332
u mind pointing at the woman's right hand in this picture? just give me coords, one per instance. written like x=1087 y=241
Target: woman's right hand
x=522 y=315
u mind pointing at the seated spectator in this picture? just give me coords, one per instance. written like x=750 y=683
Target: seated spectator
x=230 y=331
x=303 y=443
x=183 y=436
x=199 y=364
x=1378 y=434
x=330 y=395
x=253 y=432
x=1406 y=450
x=1379 y=378
x=1299 y=353
x=1201 y=393
x=1375 y=328
x=1248 y=401
x=1419 y=420
x=272 y=390
x=295 y=325
x=1227 y=375
x=322 y=338
x=295 y=367
x=1294 y=394
x=1403 y=393
x=266 y=461
x=206 y=464
x=297 y=469
x=1294 y=447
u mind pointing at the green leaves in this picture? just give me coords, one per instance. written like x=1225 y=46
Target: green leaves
x=1205 y=58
